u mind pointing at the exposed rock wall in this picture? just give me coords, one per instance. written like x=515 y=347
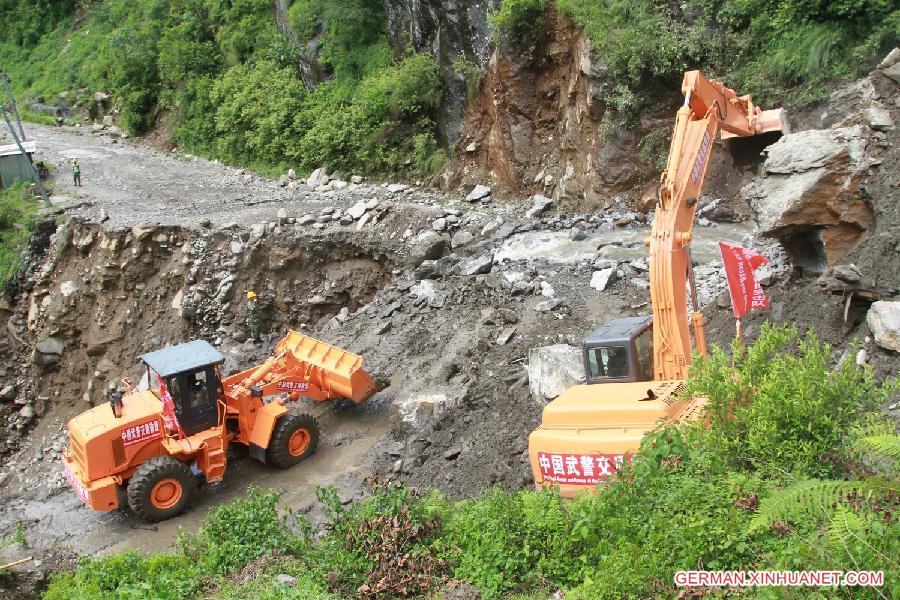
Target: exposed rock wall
x=456 y=35
x=540 y=126
x=829 y=194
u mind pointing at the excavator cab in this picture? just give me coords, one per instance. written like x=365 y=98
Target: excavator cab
x=187 y=376
x=619 y=352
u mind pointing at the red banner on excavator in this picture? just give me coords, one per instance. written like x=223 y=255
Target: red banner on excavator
x=746 y=293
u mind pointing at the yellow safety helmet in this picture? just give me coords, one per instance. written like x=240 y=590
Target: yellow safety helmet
x=251 y=294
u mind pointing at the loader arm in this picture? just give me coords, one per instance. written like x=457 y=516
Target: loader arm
x=708 y=108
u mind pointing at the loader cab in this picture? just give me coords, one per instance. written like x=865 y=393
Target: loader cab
x=620 y=351
x=189 y=374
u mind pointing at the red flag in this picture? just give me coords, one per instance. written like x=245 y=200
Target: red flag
x=746 y=293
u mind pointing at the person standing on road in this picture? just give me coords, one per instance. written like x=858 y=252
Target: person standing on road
x=253 y=316
x=76 y=172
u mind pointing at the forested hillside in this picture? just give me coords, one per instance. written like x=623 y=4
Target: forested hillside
x=307 y=83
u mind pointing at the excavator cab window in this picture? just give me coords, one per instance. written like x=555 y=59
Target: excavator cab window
x=609 y=362
x=620 y=351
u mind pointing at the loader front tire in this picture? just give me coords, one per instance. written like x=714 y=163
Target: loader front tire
x=160 y=489
x=295 y=437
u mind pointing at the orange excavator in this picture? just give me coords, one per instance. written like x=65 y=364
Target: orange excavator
x=589 y=431
x=148 y=447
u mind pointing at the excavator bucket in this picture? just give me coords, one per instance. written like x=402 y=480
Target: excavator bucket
x=773 y=120
x=767 y=121
x=747 y=149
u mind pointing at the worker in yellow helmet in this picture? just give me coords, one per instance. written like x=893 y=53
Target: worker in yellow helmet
x=253 y=316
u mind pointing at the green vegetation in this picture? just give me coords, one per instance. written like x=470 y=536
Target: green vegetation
x=17 y=219
x=231 y=78
x=519 y=21
x=781 y=51
x=794 y=470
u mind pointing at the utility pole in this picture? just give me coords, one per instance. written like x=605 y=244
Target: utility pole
x=12 y=104
x=34 y=173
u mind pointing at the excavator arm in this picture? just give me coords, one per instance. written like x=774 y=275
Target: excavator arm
x=708 y=108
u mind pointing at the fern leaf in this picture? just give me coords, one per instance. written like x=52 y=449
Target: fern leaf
x=812 y=498
x=880 y=447
x=846 y=527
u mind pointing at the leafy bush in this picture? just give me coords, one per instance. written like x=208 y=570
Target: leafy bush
x=255 y=107
x=128 y=575
x=350 y=35
x=230 y=537
x=782 y=409
x=376 y=130
x=520 y=22
x=17 y=220
x=236 y=533
x=778 y=50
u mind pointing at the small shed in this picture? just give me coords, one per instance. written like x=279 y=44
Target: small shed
x=13 y=165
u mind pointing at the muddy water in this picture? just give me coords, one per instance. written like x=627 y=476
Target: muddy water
x=620 y=244
x=348 y=434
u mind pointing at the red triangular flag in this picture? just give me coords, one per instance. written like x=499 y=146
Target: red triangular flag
x=746 y=293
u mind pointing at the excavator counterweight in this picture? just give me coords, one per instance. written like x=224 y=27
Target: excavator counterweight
x=590 y=430
x=143 y=448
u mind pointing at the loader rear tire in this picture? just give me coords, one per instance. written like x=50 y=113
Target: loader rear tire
x=295 y=437
x=160 y=489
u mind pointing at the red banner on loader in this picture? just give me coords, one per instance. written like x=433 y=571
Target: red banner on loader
x=746 y=293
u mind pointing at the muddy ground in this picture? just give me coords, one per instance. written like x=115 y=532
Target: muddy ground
x=442 y=297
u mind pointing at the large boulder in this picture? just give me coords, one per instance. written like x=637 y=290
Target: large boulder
x=479 y=192
x=883 y=320
x=48 y=351
x=552 y=370
x=317 y=178
x=417 y=410
x=428 y=245
x=809 y=196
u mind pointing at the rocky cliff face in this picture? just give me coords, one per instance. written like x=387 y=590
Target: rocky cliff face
x=829 y=194
x=540 y=126
x=456 y=35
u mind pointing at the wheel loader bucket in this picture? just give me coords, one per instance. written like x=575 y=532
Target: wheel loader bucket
x=341 y=370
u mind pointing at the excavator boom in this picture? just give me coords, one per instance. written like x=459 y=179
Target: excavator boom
x=709 y=107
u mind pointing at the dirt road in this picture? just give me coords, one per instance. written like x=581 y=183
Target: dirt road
x=137 y=185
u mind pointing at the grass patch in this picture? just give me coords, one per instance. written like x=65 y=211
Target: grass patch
x=18 y=210
x=780 y=51
x=792 y=472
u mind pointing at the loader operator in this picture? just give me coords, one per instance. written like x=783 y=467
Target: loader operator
x=253 y=316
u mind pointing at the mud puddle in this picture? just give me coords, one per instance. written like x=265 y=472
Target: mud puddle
x=621 y=244
x=342 y=460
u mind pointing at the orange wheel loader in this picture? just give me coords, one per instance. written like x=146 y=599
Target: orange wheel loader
x=590 y=430
x=148 y=446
